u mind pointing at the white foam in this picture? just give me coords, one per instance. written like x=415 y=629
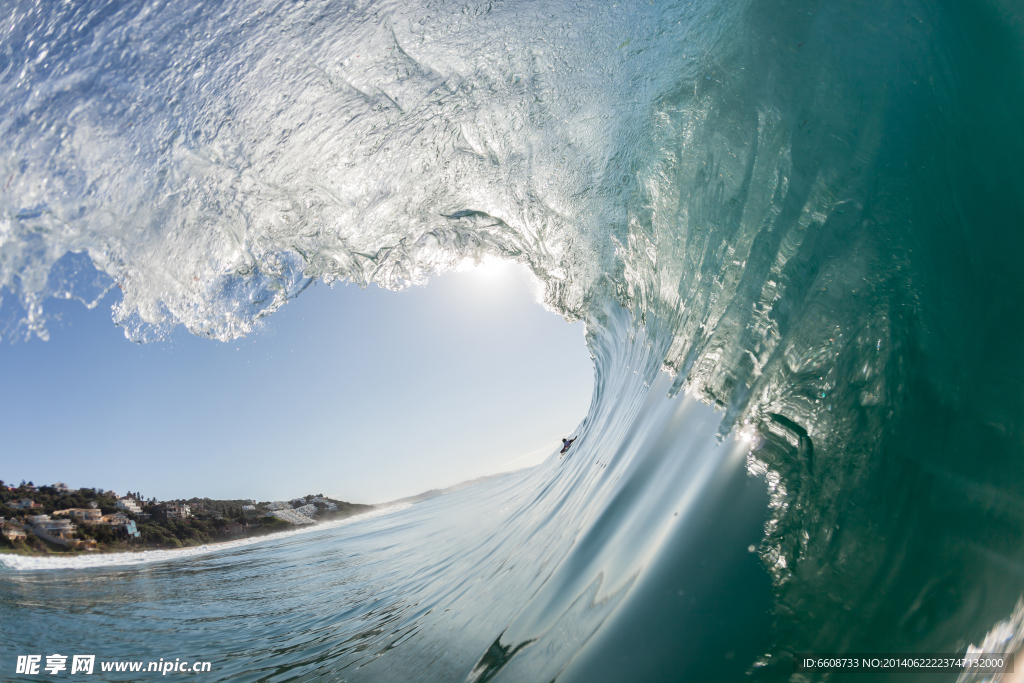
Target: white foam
x=103 y=560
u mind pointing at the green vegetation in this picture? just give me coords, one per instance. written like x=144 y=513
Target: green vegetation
x=210 y=521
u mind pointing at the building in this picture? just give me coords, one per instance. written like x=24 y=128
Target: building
x=116 y=519
x=129 y=504
x=13 y=532
x=82 y=515
x=25 y=504
x=248 y=508
x=89 y=515
x=232 y=529
x=120 y=522
x=278 y=505
x=59 y=531
x=60 y=487
x=175 y=511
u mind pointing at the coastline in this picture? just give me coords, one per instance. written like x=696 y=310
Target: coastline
x=101 y=560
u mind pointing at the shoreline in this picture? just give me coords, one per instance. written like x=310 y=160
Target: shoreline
x=16 y=562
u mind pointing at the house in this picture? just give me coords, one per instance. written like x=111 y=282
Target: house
x=129 y=504
x=13 y=532
x=120 y=522
x=232 y=529
x=26 y=504
x=88 y=515
x=174 y=511
x=60 y=487
x=248 y=508
x=59 y=531
x=82 y=515
x=116 y=519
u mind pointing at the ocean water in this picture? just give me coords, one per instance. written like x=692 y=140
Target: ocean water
x=794 y=231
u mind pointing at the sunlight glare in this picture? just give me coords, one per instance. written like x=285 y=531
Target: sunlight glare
x=489 y=267
x=496 y=271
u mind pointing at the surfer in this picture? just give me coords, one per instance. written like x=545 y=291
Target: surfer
x=566 y=443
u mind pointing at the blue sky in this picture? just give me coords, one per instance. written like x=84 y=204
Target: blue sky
x=365 y=395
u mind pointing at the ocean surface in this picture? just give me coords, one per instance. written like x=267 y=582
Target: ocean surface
x=794 y=230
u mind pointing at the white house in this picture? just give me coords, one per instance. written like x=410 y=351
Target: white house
x=177 y=511
x=130 y=505
x=59 y=531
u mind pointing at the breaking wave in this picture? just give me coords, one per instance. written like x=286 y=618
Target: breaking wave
x=804 y=214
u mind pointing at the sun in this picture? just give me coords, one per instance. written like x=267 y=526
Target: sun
x=494 y=274
x=489 y=267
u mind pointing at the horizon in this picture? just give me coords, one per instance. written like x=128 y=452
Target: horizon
x=131 y=494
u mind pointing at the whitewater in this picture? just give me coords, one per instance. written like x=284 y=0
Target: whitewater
x=792 y=228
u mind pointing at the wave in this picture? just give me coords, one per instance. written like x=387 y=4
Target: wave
x=805 y=215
